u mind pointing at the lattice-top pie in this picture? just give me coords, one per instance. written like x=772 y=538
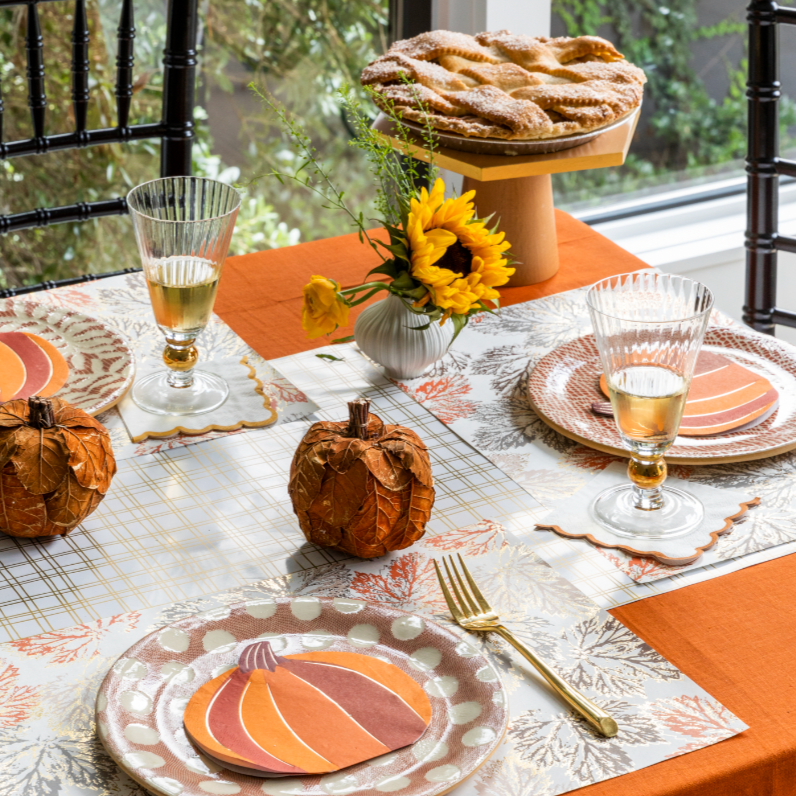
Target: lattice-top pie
x=503 y=85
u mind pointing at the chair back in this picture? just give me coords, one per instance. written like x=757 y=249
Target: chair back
x=764 y=167
x=175 y=130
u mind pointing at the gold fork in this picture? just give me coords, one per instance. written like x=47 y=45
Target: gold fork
x=472 y=612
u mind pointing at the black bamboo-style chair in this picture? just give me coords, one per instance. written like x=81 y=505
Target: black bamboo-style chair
x=175 y=130
x=764 y=167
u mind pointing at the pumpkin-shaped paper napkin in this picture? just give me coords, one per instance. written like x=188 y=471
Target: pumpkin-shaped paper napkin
x=724 y=396
x=310 y=713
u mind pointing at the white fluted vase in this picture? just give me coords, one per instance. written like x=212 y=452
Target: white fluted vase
x=385 y=332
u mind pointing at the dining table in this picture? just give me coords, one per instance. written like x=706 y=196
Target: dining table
x=735 y=635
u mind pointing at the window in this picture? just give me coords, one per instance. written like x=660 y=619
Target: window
x=300 y=51
x=691 y=137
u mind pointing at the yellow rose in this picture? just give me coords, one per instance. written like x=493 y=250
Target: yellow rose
x=323 y=309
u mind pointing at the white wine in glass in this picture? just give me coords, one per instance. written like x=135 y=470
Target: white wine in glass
x=183 y=292
x=648 y=403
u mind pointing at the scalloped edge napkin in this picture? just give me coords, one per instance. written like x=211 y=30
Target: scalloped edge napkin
x=247 y=406
x=570 y=517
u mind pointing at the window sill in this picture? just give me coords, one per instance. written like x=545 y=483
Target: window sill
x=706 y=242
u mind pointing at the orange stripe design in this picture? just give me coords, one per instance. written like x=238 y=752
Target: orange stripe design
x=195 y=721
x=321 y=723
x=12 y=373
x=60 y=372
x=268 y=729
x=385 y=673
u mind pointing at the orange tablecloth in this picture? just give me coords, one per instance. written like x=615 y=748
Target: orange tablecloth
x=734 y=635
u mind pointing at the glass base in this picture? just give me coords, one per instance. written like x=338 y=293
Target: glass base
x=154 y=394
x=615 y=510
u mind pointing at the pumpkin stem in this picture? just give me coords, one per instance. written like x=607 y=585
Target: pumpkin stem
x=258 y=656
x=41 y=412
x=358 y=412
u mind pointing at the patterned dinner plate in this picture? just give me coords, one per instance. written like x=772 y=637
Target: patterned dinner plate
x=142 y=699
x=100 y=358
x=565 y=382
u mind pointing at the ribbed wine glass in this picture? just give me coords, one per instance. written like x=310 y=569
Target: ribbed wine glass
x=649 y=328
x=183 y=226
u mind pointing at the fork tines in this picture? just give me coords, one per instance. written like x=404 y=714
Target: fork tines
x=469 y=603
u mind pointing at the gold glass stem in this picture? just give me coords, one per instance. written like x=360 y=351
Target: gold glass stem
x=647 y=475
x=594 y=714
x=180 y=356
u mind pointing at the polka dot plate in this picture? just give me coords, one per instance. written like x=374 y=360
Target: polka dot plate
x=141 y=701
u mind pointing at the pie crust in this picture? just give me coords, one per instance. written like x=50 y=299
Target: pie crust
x=504 y=85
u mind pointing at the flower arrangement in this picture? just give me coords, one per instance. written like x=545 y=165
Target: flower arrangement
x=442 y=261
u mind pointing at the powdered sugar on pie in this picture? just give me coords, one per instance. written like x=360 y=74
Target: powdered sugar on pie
x=505 y=85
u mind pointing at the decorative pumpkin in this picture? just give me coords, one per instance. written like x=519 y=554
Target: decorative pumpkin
x=56 y=464
x=362 y=487
x=311 y=713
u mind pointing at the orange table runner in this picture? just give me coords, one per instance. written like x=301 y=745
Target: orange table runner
x=734 y=635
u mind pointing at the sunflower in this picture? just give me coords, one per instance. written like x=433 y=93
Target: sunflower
x=454 y=255
x=428 y=247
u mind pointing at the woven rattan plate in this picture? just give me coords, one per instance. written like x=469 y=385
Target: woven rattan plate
x=565 y=382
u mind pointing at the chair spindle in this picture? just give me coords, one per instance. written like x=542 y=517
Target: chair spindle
x=179 y=87
x=80 y=95
x=37 y=99
x=124 y=64
x=2 y=110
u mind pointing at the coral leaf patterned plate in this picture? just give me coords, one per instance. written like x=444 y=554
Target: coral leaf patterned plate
x=100 y=358
x=565 y=382
x=141 y=701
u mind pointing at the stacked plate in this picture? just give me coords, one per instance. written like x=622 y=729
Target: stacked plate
x=142 y=701
x=566 y=382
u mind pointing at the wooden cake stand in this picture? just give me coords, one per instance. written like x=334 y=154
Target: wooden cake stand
x=519 y=191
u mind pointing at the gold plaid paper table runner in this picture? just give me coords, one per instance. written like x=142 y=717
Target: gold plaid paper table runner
x=201 y=518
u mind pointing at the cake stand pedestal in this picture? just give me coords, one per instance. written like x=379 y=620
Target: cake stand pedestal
x=518 y=189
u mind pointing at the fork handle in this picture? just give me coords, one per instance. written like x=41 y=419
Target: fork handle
x=594 y=714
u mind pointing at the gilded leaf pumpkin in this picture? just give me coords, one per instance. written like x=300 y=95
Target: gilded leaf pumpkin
x=56 y=464
x=311 y=713
x=361 y=486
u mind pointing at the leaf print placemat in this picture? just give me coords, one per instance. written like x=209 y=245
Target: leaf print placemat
x=48 y=683
x=124 y=302
x=479 y=391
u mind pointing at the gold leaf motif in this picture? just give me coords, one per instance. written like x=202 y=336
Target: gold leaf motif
x=414 y=458
x=306 y=476
x=366 y=534
x=13 y=414
x=340 y=495
x=72 y=417
x=345 y=452
x=40 y=459
x=418 y=501
x=8 y=445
